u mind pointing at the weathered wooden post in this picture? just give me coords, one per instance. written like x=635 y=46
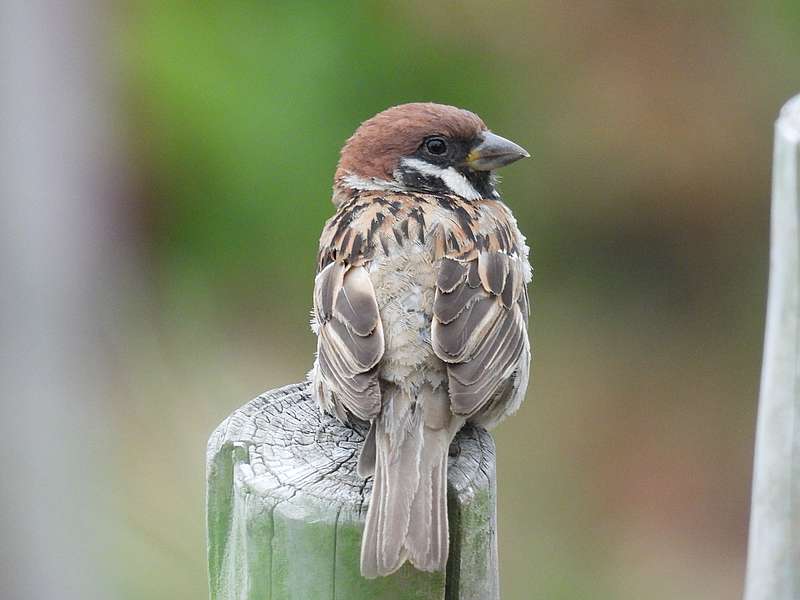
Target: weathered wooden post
x=286 y=510
x=773 y=569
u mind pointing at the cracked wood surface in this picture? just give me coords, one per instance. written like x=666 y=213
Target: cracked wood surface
x=286 y=510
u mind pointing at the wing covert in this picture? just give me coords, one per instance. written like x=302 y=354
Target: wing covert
x=350 y=342
x=480 y=330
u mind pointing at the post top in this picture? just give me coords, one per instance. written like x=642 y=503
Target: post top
x=288 y=450
x=789 y=119
x=286 y=509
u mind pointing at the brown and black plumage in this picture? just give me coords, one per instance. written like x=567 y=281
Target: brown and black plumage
x=421 y=311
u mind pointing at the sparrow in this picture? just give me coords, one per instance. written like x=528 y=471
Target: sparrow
x=421 y=311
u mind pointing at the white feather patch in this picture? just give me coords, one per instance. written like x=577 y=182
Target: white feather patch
x=455 y=181
x=372 y=184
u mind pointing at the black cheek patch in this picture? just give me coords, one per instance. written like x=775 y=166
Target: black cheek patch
x=480 y=180
x=415 y=180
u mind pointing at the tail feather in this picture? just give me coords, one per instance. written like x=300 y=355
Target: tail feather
x=428 y=535
x=366 y=460
x=407 y=516
x=400 y=470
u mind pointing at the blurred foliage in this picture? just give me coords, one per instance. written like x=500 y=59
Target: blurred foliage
x=245 y=107
x=626 y=475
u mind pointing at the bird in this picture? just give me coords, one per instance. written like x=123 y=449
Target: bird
x=420 y=307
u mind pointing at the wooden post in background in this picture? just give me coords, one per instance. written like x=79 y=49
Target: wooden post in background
x=286 y=510
x=61 y=173
x=773 y=568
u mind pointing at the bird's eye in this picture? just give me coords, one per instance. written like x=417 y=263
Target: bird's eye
x=436 y=146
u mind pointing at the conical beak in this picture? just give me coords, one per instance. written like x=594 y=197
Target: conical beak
x=493 y=152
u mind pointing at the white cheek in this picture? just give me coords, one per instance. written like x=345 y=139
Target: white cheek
x=459 y=184
x=371 y=184
x=454 y=180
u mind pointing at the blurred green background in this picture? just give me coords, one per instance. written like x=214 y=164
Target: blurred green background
x=626 y=474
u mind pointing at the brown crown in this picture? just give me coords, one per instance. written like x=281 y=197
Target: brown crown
x=377 y=146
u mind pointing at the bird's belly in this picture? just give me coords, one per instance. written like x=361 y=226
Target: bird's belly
x=405 y=285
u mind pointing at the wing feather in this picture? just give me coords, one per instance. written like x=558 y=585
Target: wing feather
x=350 y=342
x=480 y=330
x=451 y=274
x=492 y=269
x=355 y=304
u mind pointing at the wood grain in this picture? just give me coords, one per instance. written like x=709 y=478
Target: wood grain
x=286 y=510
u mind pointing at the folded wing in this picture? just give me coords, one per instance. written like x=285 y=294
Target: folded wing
x=350 y=342
x=480 y=317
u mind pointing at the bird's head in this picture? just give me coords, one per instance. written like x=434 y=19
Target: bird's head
x=424 y=147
